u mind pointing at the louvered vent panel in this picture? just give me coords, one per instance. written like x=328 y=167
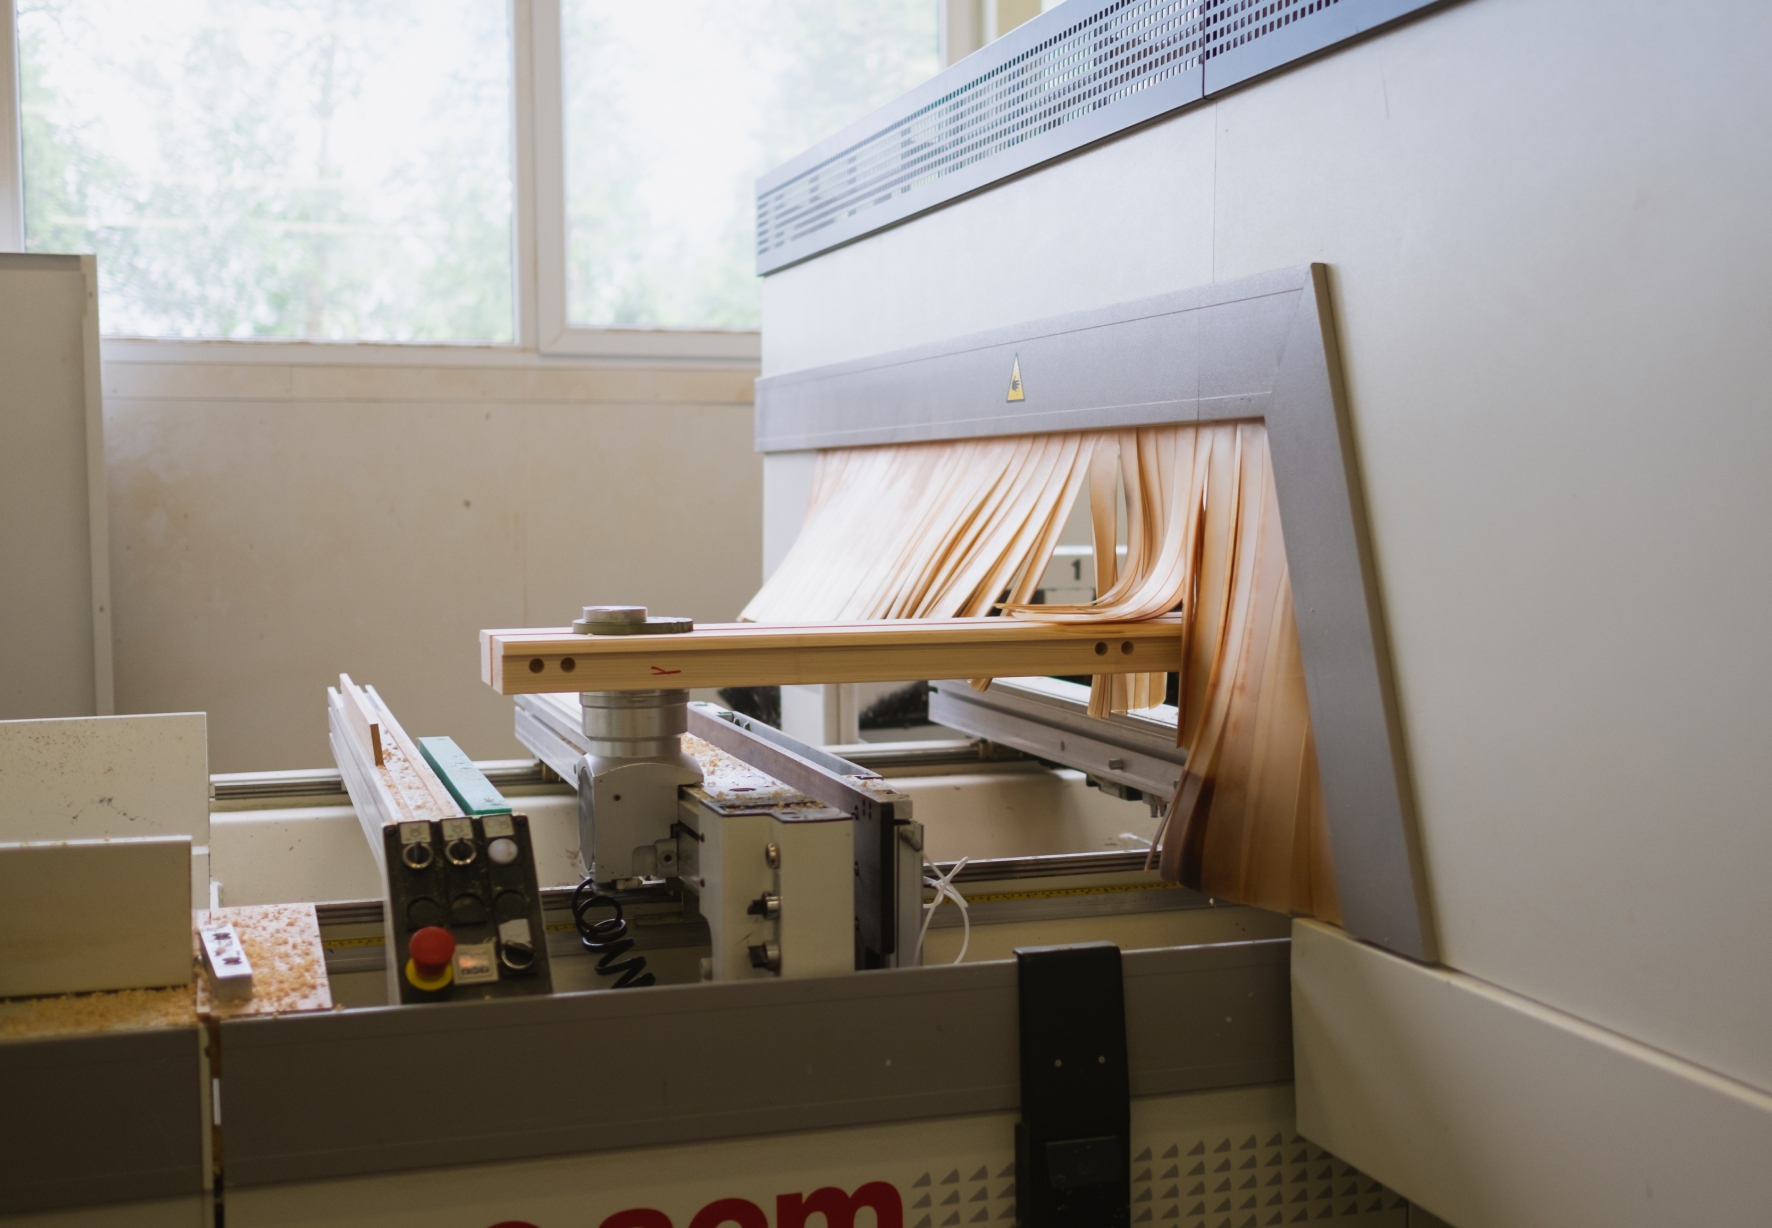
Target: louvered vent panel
x=1071 y=76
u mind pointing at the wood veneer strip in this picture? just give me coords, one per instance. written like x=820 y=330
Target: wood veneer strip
x=925 y=530
x=906 y=537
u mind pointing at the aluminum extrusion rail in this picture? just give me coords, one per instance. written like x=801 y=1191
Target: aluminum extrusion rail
x=1049 y=719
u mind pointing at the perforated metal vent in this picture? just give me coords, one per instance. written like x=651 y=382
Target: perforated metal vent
x=1259 y=1174
x=1074 y=75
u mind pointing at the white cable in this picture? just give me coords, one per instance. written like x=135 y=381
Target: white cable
x=944 y=889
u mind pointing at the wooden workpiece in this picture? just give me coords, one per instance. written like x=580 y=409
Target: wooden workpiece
x=540 y=660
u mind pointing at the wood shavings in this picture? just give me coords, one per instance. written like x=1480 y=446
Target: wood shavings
x=282 y=942
x=406 y=781
x=113 y=1011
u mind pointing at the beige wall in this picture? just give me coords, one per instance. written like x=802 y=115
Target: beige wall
x=280 y=514
x=1547 y=223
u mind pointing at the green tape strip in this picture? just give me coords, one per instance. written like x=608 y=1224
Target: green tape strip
x=465 y=782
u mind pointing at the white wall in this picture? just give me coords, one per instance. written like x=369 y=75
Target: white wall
x=283 y=513
x=1547 y=223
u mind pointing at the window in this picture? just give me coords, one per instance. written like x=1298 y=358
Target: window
x=327 y=169
x=673 y=108
x=372 y=169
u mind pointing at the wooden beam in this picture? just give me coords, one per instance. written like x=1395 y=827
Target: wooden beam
x=543 y=660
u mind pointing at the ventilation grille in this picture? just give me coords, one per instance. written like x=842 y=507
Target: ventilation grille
x=1072 y=76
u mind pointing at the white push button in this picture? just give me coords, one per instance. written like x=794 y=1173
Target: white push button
x=503 y=851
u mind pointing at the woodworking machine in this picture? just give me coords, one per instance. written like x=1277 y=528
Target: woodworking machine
x=768 y=929
x=685 y=970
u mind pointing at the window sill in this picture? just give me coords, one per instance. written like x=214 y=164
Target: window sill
x=596 y=348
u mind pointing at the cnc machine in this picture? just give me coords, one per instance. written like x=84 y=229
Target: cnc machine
x=687 y=969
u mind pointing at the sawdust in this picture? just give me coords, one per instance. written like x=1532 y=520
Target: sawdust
x=111 y=1011
x=288 y=975
x=729 y=782
x=878 y=786
x=282 y=942
x=406 y=782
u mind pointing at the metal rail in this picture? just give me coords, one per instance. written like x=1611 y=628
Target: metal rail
x=225 y=787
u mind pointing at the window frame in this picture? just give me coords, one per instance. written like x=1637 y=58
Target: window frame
x=555 y=333
x=12 y=171
x=540 y=324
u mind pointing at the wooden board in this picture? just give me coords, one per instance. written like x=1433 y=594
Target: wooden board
x=553 y=659
x=90 y=778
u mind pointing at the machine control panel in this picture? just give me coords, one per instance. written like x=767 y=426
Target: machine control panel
x=464 y=913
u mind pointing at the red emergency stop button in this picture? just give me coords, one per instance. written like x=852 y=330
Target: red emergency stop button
x=432 y=965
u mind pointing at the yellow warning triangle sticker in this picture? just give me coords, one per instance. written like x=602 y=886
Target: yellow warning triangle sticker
x=1015 y=393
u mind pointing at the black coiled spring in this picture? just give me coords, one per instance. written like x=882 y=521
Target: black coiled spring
x=608 y=938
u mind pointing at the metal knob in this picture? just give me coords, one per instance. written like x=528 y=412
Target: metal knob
x=618 y=615
x=628 y=620
x=767 y=905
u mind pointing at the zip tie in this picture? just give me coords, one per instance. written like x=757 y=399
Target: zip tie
x=944 y=889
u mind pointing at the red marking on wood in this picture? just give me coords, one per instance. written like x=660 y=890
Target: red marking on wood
x=657 y=670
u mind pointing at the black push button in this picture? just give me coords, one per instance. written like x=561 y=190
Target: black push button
x=468 y=910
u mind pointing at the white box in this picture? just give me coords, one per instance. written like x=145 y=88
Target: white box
x=78 y=916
